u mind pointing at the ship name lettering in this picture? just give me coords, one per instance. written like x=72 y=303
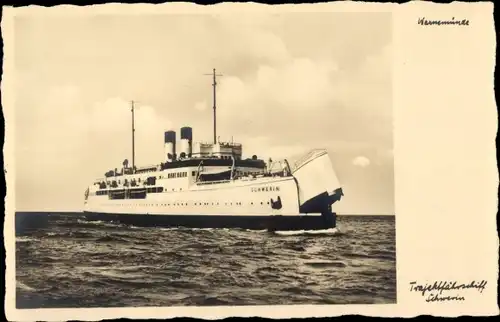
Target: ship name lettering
x=265 y=189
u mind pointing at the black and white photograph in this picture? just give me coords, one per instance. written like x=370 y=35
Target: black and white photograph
x=204 y=159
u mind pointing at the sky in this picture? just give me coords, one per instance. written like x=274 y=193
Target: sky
x=291 y=82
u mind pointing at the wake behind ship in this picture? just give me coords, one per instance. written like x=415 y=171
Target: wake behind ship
x=212 y=185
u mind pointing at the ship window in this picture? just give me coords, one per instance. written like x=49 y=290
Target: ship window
x=193 y=173
x=261 y=203
x=251 y=203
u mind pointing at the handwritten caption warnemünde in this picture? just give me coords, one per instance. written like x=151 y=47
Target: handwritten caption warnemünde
x=434 y=292
x=452 y=21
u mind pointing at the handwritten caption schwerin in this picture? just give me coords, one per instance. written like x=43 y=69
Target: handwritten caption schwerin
x=442 y=291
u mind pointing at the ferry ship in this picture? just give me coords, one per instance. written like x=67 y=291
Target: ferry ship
x=212 y=185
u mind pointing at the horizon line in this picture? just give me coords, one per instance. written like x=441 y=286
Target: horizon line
x=79 y=211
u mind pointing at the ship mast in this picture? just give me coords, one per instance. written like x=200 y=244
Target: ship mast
x=133 y=137
x=214 y=84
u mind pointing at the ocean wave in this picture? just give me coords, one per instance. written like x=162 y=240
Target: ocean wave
x=24 y=239
x=372 y=255
x=24 y=287
x=111 y=224
x=111 y=238
x=325 y=264
x=331 y=231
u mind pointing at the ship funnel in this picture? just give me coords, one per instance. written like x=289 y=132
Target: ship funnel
x=170 y=146
x=186 y=142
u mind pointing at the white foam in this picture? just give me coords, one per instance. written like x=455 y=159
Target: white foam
x=24 y=287
x=330 y=231
x=24 y=239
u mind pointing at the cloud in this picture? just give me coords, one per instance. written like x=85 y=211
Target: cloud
x=109 y=125
x=200 y=106
x=361 y=161
x=302 y=95
x=265 y=149
x=80 y=144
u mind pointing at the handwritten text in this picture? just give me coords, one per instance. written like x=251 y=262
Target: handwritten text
x=435 y=290
x=458 y=22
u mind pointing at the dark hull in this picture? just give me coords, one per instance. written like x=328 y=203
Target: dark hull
x=271 y=223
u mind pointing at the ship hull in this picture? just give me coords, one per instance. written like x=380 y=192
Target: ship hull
x=251 y=222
